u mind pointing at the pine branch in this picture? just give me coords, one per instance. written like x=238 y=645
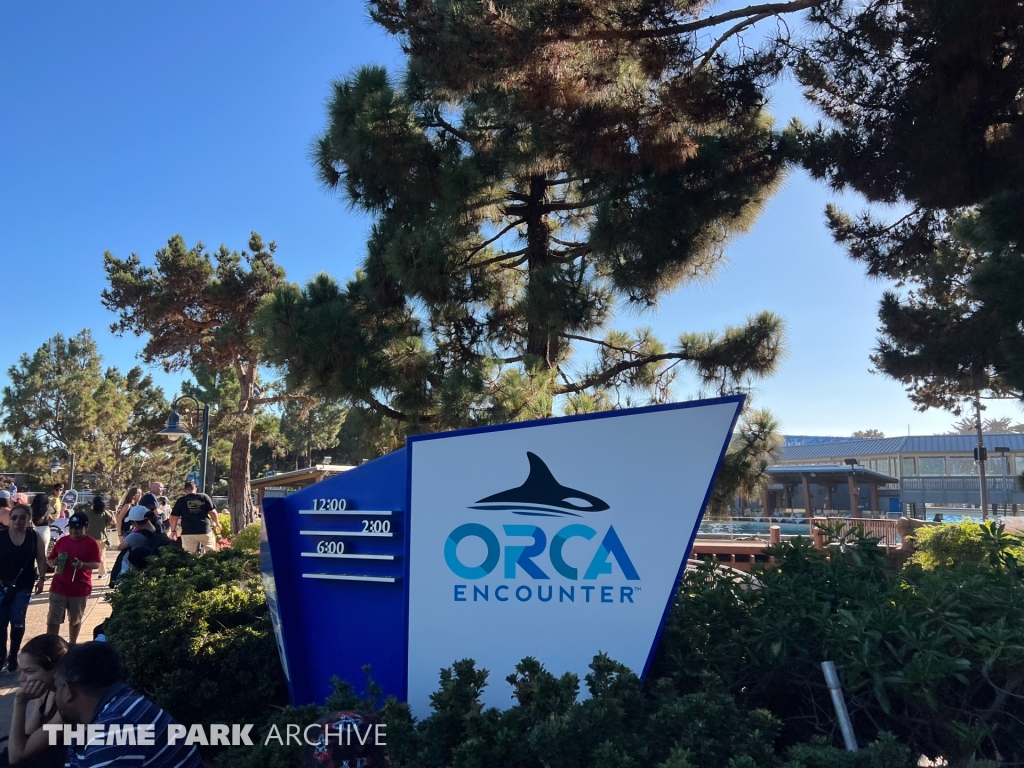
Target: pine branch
x=599 y=343
x=258 y=401
x=731 y=31
x=442 y=123
x=502 y=257
x=391 y=413
x=483 y=245
x=767 y=9
x=609 y=373
x=546 y=208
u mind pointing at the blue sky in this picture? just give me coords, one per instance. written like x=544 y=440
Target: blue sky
x=124 y=123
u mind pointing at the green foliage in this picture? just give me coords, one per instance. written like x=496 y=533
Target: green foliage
x=61 y=398
x=923 y=103
x=886 y=752
x=49 y=402
x=954 y=331
x=198 y=312
x=931 y=656
x=248 y=539
x=225 y=525
x=754 y=447
x=313 y=425
x=513 y=216
x=621 y=722
x=966 y=544
x=922 y=99
x=195 y=636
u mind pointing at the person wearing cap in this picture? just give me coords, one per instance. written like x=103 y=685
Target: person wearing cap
x=143 y=529
x=198 y=518
x=70 y=588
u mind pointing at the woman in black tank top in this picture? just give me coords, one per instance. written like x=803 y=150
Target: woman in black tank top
x=21 y=555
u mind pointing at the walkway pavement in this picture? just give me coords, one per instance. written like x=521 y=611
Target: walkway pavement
x=96 y=611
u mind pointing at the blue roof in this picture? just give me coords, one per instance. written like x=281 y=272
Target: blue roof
x=886 y=446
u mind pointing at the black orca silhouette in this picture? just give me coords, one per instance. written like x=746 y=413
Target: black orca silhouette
x=543 y=494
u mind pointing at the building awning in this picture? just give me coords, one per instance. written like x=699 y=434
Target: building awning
x=830 y=474
x=299 y=478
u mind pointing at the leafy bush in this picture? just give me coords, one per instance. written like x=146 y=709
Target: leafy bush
x=622 y=723
x=224 y=518
x=966 y=544
x=933 y=656
x=247 y=539
x=196 y=637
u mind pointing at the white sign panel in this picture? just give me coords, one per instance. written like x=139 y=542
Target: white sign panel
x=557 y=540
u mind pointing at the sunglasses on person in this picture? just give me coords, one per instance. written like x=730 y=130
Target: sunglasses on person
x=15 y=518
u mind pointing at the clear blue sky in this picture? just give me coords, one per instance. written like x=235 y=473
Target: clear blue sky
x=122 y=123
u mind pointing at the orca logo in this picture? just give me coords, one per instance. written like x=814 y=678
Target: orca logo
x=541 y=495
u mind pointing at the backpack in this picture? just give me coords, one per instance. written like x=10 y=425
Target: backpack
x=157 y=541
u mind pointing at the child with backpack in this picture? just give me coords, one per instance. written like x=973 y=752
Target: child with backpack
x=145 y=537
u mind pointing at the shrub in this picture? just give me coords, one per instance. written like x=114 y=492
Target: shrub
x=247 y=539
x=224 y=518
x=621 y=723
x=966 y=544
x=933 y=656
x=196 y=637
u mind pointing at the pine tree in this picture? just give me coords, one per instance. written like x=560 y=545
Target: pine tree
x=198 y=309
x=533 y=174
x=925 y=109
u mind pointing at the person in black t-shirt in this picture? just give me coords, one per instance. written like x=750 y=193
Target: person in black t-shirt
x=198 y=516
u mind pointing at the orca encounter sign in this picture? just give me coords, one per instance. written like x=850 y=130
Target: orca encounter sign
x=556 y=539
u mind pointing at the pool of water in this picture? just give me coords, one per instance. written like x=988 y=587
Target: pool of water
x=790 y=527
x=753 y=528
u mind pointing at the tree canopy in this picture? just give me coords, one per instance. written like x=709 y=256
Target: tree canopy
x=924 y=110
x=198 y=309
x=61 y=398
x=514 y=218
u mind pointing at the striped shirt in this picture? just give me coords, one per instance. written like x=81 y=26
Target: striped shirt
x=121 y=705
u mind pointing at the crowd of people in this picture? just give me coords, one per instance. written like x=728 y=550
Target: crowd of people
x=137 y=529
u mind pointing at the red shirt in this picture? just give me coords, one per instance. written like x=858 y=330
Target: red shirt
x=74 y=582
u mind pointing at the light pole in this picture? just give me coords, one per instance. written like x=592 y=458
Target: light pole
x=851 y=484
x=174 y=432
x=55 y=465
x=1003 y=450
x=980 y=455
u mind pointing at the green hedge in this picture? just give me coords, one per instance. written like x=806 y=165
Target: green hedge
x=247 y=539
x=622 y=724
x=933 y=656
x=954 y=545
x=930 y=658
x=196 y=637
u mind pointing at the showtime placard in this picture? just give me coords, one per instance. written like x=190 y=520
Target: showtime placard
x=556 y=539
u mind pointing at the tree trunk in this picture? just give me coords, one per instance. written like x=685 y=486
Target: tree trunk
x=243 y=512
x=541 y=341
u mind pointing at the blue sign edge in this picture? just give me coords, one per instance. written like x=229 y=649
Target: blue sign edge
x=693 y=535
x=410 y=441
